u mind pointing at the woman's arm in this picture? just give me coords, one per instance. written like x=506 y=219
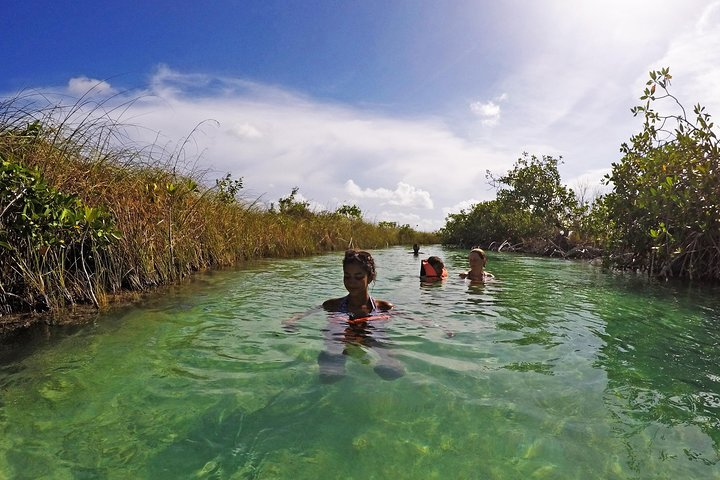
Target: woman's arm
x=289 y=324
x=426 y=323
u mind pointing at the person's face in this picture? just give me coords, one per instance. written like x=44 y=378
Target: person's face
x=476 y=261
x=355 y=278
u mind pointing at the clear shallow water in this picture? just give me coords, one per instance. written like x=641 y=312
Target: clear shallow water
x=556 y=370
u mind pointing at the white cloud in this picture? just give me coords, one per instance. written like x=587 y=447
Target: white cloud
x=245 y=131
x=709 y=21
x=83 y=85
x=489 y=111
x=404 y=195
x=465 y=205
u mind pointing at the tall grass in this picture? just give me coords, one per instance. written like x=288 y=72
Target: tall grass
x=142 y=218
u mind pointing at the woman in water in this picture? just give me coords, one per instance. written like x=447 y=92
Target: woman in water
x=355 y=319
x=358 y=272
x=478 y=260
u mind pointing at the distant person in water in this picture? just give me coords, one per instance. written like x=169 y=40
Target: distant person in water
x=356 y=319
x=478 y=260
x=416 y=250
x=432 y=269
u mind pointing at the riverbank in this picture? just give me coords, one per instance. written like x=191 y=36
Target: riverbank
x=86 y=219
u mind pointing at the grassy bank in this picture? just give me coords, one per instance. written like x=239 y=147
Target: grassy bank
x=86 y=215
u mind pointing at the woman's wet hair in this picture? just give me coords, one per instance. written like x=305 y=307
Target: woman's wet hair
x=362 y=258
x=480 y=252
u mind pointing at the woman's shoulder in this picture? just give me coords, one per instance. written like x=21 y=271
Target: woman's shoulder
x=470 y=276
x=333 y=304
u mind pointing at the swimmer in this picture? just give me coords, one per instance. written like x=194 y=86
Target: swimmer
x=432 y=269
x=358 y=273
x=355 y=319
x=478 y=260
x=416 y=250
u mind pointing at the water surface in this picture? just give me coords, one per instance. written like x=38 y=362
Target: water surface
x=556 y=370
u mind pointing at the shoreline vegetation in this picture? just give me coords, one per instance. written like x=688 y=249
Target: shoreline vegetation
x=86 y=218
x=661 y=218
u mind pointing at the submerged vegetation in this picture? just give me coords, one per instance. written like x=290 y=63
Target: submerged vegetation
x=662 y=215
x=83 y=216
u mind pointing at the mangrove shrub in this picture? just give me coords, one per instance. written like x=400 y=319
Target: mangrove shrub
x=664 y=210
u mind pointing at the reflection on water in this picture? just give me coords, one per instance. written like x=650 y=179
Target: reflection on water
x=555 y=370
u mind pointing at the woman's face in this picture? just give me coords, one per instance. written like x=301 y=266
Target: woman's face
x=355 y=278
x=476 y=261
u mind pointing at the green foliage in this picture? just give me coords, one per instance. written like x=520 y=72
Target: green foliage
x=292 y=207
x=531 y=204
x=350 y=211
x=386 y=224
x=37 y=215
x=228 y=188
x=46 y=236
x=533 y=187
x=664 y=209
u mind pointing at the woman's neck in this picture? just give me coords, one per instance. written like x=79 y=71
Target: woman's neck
x=358 y=300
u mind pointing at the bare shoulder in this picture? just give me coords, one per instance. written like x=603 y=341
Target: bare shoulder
x=332 y=305
x=383 y=305
x=463 y=275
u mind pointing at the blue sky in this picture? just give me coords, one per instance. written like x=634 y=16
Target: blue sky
x=399 y=107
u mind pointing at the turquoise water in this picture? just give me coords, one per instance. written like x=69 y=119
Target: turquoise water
x=557 y=370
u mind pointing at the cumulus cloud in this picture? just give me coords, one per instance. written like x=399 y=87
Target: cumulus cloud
x=489 y=112
x=404 y=195
x=83 y=85
x=245 y=131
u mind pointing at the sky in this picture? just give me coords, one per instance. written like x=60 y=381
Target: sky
x=399 y=107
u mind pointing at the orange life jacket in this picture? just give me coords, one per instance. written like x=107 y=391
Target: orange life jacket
x=429 y=271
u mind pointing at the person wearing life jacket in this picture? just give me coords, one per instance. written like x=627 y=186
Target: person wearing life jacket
x=433 y=269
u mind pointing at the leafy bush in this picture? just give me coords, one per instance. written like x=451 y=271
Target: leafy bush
x=664 y=207
x=46 y=236
x=531 y=205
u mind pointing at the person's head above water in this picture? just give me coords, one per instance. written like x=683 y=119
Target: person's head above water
x=361 y=259
x=477 y=257
x=478 y=260
x=416 y=249
x=433 y=267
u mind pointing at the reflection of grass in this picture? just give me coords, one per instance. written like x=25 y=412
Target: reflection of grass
x=536 y=367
